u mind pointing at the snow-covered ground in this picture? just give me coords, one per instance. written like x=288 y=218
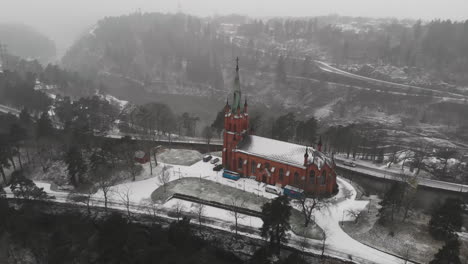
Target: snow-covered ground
x=338 y=242
x=216 y=213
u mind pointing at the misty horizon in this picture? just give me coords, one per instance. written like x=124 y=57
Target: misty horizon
x=64 y=21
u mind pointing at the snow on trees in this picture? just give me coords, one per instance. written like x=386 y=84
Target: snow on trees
x=22 y=187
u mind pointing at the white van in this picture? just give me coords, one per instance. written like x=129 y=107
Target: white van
x=273 y=189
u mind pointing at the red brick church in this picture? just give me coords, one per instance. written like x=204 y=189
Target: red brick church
x=272 y=161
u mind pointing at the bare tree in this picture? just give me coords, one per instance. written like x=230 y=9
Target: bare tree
x=104 y=183
x=355 y=214
x=200 y=211
x=84 y=198
x=208 y=135
x=408 y=195
x=406 y=252
x=151 y=208
x=178 y=209
x=125 y=193
x=235 y=206
x=324 y=242
x=164 y=177
x=304 y=243
x=308 y=205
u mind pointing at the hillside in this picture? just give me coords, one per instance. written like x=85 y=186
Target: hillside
x=24 y=41
x=188 y=63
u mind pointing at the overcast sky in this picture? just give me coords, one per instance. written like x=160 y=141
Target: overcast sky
x=62 y=19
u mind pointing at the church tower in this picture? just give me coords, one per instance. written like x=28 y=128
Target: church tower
x=236 y=122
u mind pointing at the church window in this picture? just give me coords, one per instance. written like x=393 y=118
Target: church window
x=323 y=179
x=312 y=177
x=253 y=168
x=240 y=163
x=267 y=166
x=281 y=174
x=296 y=178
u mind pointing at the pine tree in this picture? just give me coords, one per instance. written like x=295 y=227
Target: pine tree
x=44 y=126
x=276 y=222
x=75 y=165
x=449 y=253
x=446 y=220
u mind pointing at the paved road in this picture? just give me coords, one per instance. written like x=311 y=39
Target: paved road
x=326 y=67
x=6 y=109
x=385 y=174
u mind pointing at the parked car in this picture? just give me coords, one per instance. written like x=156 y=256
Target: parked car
x=273 y=189
x=349 y=163
x=213 y=161
x=218 y=167
x=207 y=158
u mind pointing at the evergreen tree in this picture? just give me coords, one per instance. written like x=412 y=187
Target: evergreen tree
x=276 y=222
x=449 y=253
x=284 y=127
x=391 y=203
x=281 y=70
x=25 y=188
x=44 y=128
x=446 y=220
x=75 y=165
x=4 y=157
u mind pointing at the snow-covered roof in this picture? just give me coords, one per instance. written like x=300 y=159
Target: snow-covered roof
x=280 y=151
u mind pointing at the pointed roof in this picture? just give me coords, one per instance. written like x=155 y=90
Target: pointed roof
x=237 y=91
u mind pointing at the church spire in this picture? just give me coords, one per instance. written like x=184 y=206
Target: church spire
x=237 y=92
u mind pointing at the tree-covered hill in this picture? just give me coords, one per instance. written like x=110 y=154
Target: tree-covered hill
x=26 y=42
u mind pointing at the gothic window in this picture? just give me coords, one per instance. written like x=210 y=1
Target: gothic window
x=312 y=177
x=253 y=168
x=296 y=178
x=240 y=164
x=323 y=179
x=281 y=174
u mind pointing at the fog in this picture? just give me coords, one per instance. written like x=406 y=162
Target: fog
x=62 y=20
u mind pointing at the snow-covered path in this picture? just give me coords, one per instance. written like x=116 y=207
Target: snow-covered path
x=339 y=244
x=337 y=240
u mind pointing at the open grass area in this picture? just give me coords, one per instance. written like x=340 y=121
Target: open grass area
x=212 y=191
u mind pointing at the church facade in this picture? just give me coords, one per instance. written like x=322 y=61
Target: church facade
x=272 y=161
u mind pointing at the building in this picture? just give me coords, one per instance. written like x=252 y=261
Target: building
x=272 y=161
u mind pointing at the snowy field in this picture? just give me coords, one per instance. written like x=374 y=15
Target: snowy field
x=180 y=156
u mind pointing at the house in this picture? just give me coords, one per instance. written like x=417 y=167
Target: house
x=142 y=157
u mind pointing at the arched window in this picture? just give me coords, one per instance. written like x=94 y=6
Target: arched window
x=267 y=166
x=296 y=178
x=323 y=179
x=240 y=164
x=312 y=177
x=281 y=174
x=253 y=167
